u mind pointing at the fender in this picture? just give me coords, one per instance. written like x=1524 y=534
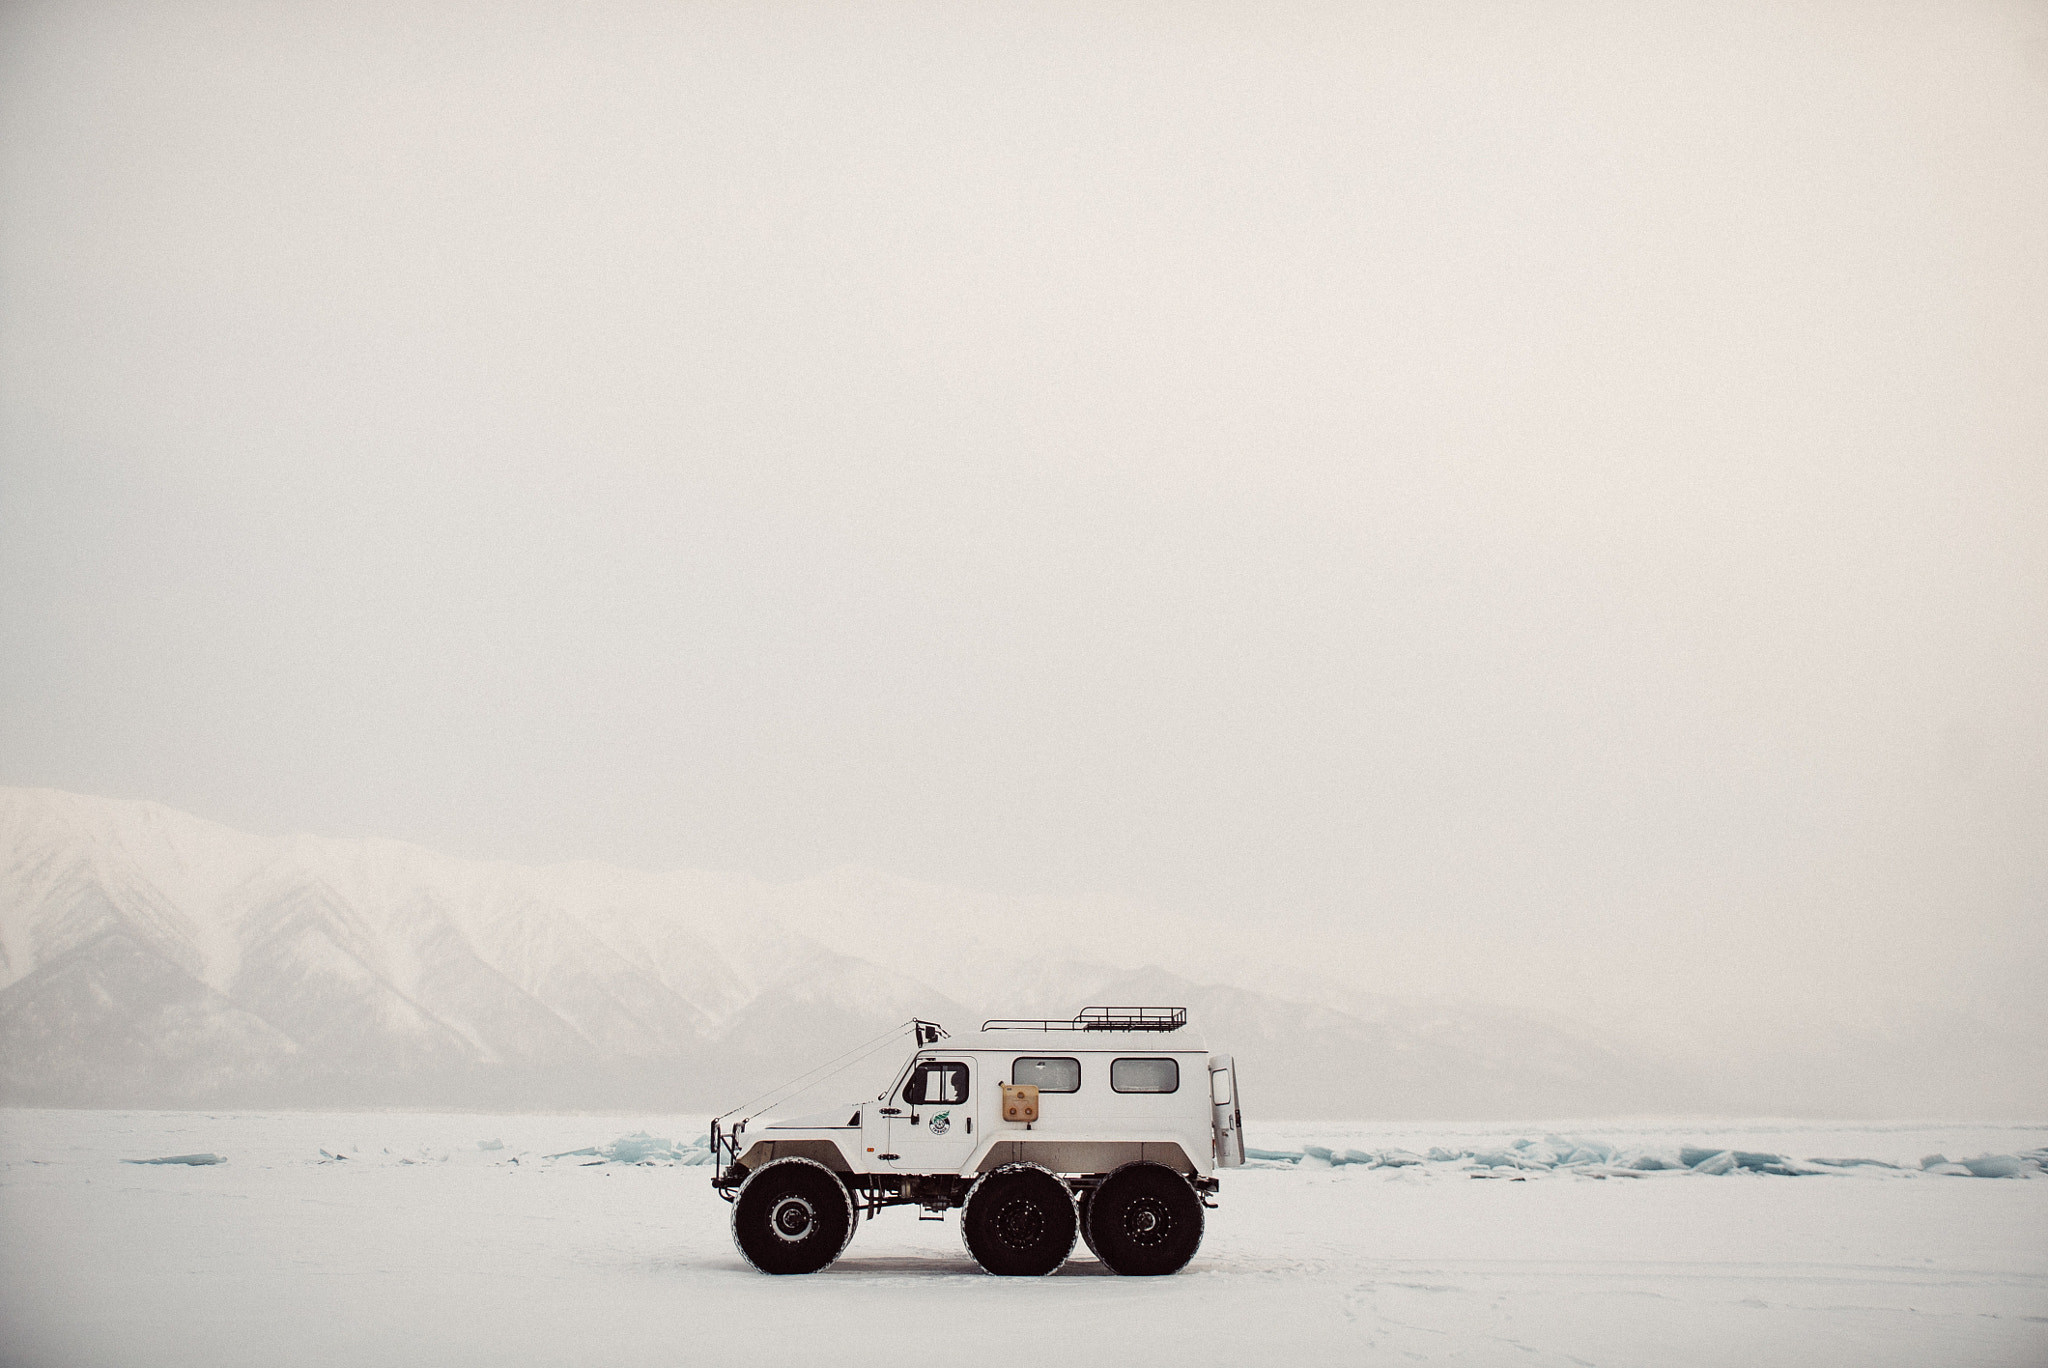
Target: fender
x=825 y=1152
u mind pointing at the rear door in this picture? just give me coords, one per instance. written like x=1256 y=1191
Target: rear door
x=1224 y=1117
x=933 y=1130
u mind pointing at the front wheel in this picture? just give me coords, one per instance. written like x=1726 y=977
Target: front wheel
x=1019 y=1222
x=792 y=1216
x=1145 y=1220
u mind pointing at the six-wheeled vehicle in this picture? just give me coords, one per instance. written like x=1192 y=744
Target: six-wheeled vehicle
x=1106 y=1128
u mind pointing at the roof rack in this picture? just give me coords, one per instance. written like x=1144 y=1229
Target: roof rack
x=1104 y=1019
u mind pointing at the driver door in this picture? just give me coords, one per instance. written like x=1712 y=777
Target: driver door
x=933 y=1132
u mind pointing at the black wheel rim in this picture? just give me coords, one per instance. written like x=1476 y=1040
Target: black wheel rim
x=793 y=1219
x=1020 y=1223
x=1148 y=1222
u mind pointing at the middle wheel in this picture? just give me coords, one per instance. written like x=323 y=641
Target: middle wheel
x=1019 y=1221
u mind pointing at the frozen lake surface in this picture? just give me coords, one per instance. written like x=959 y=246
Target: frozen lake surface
x=423 y=1248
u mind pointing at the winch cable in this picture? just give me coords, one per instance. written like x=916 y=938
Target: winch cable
x=803 y=1083
x=837 y=1064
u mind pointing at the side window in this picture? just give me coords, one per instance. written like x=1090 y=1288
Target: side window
x=936 y=1084
x=1219 y=1087
x=1144 y=1075
x=1049 y=1075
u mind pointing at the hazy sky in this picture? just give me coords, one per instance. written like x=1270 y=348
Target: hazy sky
x=1551 y=498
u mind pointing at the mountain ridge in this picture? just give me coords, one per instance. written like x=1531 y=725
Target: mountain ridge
x=150 y=957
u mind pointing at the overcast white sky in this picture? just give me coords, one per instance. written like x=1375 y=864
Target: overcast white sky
x=1550 y=499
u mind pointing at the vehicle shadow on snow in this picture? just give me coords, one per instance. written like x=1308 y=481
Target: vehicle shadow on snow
x=952 y=1266
x=899 y=1265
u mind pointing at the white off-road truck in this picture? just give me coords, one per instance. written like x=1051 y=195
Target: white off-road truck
x=1108 y=1127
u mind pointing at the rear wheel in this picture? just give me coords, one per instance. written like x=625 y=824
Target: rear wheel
x=1019 y=1222
x=1145 y=1220
x=792 y=1216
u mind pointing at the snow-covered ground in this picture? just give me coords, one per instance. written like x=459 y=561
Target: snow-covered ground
x=423 y=1247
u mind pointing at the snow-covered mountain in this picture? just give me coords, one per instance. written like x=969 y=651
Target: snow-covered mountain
x=148 y=957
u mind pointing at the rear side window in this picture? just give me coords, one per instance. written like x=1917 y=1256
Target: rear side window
x=1048 y=1075
x=1144 y=1075
x=936 y=1084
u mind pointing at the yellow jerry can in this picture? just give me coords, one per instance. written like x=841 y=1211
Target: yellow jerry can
x=1020 y=1101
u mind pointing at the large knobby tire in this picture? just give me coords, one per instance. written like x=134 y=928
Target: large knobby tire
x=792 y=1216
x=1020 y=1221
x=1145 y=1220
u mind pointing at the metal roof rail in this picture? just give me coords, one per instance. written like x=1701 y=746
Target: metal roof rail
x=1103 y=1019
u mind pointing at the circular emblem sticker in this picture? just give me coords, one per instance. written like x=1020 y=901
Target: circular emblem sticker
x=941 y=1122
